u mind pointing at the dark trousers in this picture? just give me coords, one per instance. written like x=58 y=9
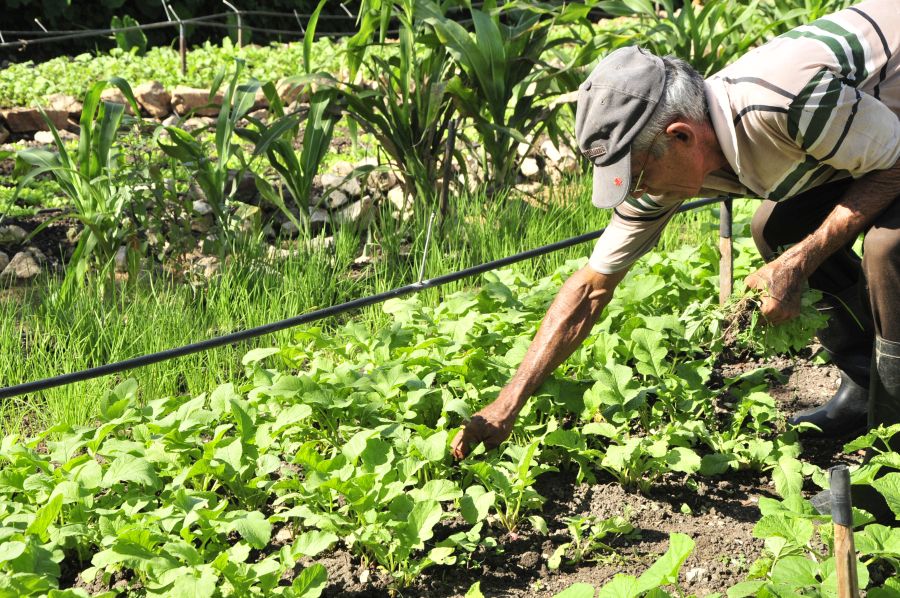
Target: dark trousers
x=778 y=225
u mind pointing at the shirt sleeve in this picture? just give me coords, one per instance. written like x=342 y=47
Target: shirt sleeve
x=843 y=127
x=634 y=229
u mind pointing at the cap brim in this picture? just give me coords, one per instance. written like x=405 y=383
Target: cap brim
x=611 y=182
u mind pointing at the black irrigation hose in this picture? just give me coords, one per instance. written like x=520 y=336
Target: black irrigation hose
x=242 y=335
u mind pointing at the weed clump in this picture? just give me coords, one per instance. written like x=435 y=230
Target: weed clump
x=745 y=330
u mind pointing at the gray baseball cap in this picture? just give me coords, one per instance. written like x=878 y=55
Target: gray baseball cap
x=614 y=104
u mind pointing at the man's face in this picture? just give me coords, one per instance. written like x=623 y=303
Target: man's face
x=677 y=174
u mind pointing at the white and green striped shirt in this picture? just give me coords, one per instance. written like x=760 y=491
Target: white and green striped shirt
x=817 y=104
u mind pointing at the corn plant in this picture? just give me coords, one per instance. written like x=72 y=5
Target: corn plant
x=276 y=142
x=788 y=14
x=193 y=151
x=505 y=83
x=708 y=36
x=88 y=177
x=409 y=109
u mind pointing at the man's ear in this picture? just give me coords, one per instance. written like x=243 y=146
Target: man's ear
x=682 y=131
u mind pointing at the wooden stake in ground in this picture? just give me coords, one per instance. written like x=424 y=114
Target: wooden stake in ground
x=726 y=261
x=842 y=517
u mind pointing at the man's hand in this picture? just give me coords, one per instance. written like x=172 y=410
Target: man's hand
x=492 y=425
x=781 y=284
x=568 y=322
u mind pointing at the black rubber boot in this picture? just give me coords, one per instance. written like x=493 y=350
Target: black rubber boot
x=884 y=400
x=847 y=339
x=884 y=409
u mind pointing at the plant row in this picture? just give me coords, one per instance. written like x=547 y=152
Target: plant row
x=339 y=441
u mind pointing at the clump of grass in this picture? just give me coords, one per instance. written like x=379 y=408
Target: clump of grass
x=745 y=329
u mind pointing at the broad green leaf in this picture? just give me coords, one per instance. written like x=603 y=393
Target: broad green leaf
x=878 y=539
x=442 y=555
x=475 y=591
x=665 y=569
x=621 y=586
x=44 y=517
x=683 y=459
x=310 y=582
x=254 y=528
x=418 y=527
x=293 y=415
x=889 y=487
x=257 y=355
x=614 y=389
x=745 y=589
x=311 y=543
x=891 y=589
x=476 y=504
x=650 y=351
x=717 y=463
x=796 y=570
x=440 y=490
x=577 y=590
x=788 y=477
x=11 y=549
x=796 y=531
x=194 y=583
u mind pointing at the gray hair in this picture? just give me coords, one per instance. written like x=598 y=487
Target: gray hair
x=683 y=98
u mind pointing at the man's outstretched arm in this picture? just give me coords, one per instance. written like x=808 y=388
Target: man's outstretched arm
x=569 y=320
x=783 y=279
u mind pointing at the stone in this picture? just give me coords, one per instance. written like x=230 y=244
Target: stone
x=208 y=266
x=318 y=219
x=24 y=265
x=4 y=133
x=568 y=164
x=329 y=180
x=154 y=98
x=12 y=234
x=171 y=120
x=4 y=261
x=29 y=120
x=121 y=259
x=46 y=137
x=67 y=103
x=202 y=224
x=382 y=180
x=290 y=92
x=358 y=212
x=550 y=152
x=114 y=95
x=278 y=253
x=523 y=149
x=351 y=187
x=398 y=198
x=198 y=122
x=320 y=243
x=530 y=168
x=336 y=199
x=695 y=574
x=342 y=168
x=201 y=208
x=260 y=101
x=261 y=115
x=289 y=229
x=190 y=99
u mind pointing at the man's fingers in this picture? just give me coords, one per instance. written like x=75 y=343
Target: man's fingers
x=459 y=446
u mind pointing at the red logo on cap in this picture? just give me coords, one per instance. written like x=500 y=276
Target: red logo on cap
x=617 y=181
